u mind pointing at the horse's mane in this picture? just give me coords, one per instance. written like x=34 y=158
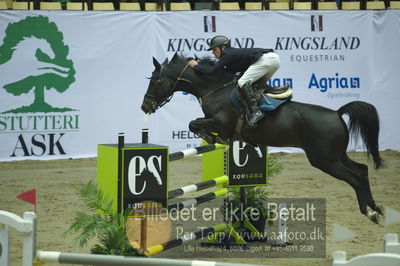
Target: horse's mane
x=181 y=60
x=207 y=60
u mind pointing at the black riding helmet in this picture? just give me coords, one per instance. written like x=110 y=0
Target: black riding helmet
x=219 y=40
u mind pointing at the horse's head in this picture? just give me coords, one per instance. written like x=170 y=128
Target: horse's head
x=158 y=90
x=161 y=86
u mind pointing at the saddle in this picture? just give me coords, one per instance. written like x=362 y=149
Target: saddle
x=269 y=98
x=262 y=86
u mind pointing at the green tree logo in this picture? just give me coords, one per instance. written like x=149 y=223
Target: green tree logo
x=33 y=56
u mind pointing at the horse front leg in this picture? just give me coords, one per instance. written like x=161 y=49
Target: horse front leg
x=204 y=128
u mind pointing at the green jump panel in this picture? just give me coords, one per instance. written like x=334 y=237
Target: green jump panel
x=241 y=163
x=214 y=164
x=107 y=172
x=134 y=177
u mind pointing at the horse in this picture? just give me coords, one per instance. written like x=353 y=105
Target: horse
x=320 y=132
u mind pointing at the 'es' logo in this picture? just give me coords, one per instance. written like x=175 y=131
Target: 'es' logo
x=240 y=157
x=141 y=171
x=247 y=165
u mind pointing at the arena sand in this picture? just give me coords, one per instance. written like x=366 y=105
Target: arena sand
x=57 y=183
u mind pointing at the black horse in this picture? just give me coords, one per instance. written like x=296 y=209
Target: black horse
x=319 y=131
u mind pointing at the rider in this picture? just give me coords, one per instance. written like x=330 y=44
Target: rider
x=254 y=62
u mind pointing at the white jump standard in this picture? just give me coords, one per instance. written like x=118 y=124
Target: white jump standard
x=78 y=258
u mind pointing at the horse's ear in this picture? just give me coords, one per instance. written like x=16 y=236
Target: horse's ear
x=165 y=61
x=175 y=58
x=196 y=57
x=156 y=64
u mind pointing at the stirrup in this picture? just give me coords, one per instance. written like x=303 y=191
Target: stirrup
x=253 y=118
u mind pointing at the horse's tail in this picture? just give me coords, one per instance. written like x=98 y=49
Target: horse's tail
x=364 y=121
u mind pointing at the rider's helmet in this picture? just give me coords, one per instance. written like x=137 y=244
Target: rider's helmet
x=219 y=40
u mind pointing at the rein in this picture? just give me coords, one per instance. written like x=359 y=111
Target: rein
x=218 y=89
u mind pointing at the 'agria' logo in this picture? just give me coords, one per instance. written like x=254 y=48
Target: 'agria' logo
x=337 y=82
x=35 y=48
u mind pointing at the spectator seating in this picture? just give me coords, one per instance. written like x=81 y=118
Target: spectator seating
x=76 y=6
x=129 y=6
x=375 y=5
x=351 y=5
x=103 y=6
x=163 y=5
x=203 y=6
x=302 y=5
x=3 y=5
x=395 y=4
x=279 y=5
x=22 y=5
x=50 y=6
x=327 y=6
x=229 y=6
x=152 y=6
x=253 y=5
x=183 y=6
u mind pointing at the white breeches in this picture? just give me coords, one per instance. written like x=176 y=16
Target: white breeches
x=266 y=66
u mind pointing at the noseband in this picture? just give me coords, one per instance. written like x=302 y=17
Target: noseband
x=168 y=98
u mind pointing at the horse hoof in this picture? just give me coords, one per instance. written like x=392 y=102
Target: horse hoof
x=373 y=216
x=380 y=209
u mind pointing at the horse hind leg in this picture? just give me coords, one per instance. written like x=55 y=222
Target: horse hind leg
x=362 y=169
x=341 y=172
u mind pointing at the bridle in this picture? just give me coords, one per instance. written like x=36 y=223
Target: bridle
x=168 y=98
x=180 y=78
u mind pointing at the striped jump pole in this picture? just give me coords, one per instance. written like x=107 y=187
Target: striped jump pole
x=196 y=201
x=199 y=186
x=93 y=259
x=182 y=240
x=199 y=150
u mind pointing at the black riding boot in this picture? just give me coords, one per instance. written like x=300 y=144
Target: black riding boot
x=254 y=113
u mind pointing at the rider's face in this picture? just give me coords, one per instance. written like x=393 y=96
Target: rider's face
x=217 y=52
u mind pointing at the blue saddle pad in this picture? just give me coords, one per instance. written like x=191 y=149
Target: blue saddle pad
x=265 y=104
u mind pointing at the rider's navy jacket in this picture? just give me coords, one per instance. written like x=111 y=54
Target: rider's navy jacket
x=234 y=60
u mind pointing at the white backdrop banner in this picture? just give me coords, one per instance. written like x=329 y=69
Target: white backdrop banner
x=72 y=80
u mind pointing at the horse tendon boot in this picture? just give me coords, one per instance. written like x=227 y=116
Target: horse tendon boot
x=254 y=113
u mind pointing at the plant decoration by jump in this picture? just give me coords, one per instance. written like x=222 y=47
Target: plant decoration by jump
x=100 y=222
x=255 y=198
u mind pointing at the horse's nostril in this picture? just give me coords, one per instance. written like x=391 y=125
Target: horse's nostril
x=144 y=109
